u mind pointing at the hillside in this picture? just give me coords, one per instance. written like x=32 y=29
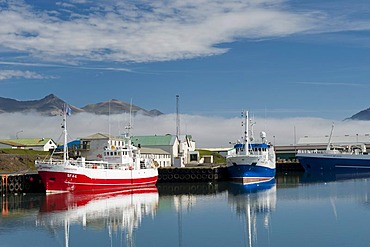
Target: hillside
x=362 y=115
x=19 y=160
x=116 y=107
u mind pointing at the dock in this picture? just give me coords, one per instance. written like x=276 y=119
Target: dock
x=19 y=183
x=191 y=174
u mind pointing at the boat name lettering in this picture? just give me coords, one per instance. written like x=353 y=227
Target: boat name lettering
x=69 y=175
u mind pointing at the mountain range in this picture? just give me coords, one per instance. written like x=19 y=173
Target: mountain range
x=52 y=105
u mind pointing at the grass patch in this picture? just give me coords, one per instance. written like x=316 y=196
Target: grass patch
x=217 y=158
x=23 y=151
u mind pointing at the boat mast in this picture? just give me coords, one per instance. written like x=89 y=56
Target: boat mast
x=331 y=133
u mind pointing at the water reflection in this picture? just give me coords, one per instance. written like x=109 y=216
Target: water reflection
x=313 y=177
x=294 y=210
x=120 y=211
x=249 y=201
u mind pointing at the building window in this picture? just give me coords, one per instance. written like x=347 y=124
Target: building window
x=193 y=157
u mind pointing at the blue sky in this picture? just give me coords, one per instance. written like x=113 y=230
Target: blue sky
x=277 y=58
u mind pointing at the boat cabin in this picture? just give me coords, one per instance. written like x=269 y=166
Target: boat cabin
x=119 y=155
x=253 y=148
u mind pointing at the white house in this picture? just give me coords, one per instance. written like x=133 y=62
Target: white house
x=160 y=156
x=42 y=144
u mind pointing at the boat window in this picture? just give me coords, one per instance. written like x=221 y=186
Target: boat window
x=115 y=153
x=111 y=153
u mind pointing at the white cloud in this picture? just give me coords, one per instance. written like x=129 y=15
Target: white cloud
x=206 y=131
x=143 y=31
x=9 y=74
x=331 y=84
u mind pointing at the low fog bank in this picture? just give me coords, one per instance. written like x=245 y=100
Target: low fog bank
x=206 y=131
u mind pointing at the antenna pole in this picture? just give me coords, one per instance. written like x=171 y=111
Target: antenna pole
x=109 y=118
x=129 y=127
x=246 y=133
x=177 y=117
x=65 y=147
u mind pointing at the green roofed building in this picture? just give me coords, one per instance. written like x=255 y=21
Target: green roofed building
x=43 y=144
x=167 y=143
x=158 y=141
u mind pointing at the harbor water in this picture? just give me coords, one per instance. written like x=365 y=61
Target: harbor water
x=297 y=209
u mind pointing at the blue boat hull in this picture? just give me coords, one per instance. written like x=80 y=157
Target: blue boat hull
x=334 y=164
x=250 y=173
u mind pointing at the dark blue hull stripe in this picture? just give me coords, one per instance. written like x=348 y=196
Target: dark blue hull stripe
x=249 y=171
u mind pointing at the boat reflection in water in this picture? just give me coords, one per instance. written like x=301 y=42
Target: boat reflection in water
x=118 y=210
x=331 y=176
x=251 y=202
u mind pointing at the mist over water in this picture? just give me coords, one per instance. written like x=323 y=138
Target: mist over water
x=206 y=131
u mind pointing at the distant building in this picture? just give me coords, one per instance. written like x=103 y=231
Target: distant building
x=187 y=153
x=160 y=156
x=167 y=143
x=335 y=140
x=166 y=150
x=181 y=150
x=321 y=143
x=42 y=144
x=92 y=146
x=73 y=148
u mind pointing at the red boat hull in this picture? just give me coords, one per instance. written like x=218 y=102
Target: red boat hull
x=59 y=182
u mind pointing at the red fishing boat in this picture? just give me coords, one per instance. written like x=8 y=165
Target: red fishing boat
x=119 y=167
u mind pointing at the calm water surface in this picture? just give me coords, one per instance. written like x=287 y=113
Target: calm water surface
x=293 y=210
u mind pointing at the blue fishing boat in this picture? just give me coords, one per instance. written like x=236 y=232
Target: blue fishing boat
x=251 y=162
